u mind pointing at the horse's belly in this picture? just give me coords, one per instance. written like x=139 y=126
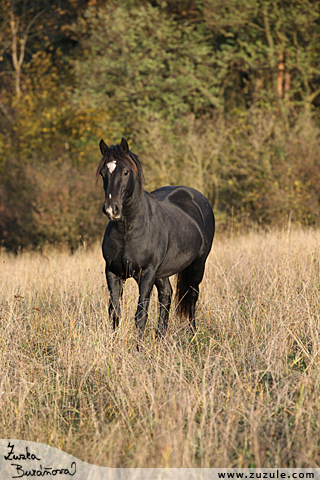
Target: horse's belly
x=181 y=253
x=168 y=268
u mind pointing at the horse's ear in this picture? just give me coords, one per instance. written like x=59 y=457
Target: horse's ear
x=103 y=147
x=124 y=146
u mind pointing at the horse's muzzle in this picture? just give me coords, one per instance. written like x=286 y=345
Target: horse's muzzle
x=112 y=211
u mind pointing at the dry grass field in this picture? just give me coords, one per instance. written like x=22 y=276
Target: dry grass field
x=245 y=391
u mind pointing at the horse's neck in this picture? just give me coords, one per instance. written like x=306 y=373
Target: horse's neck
x=137 y=210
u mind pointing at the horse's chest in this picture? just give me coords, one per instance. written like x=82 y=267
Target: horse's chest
x=124 y=259
x=134 y=258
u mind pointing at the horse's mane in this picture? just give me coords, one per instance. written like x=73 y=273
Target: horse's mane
x=115 y=152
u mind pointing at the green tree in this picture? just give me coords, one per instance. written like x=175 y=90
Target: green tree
x=140 y=63
x=269 y=50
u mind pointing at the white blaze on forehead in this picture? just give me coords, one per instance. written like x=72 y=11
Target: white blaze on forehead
x=109 y=195
x=111 y=166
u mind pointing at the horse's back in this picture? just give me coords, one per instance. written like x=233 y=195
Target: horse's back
x=192 y=203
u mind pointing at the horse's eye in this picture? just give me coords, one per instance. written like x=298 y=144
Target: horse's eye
x=125 y=172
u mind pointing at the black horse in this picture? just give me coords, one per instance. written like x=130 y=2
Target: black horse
x=151 y=237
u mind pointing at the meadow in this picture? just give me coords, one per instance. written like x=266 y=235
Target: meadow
x=244 y=391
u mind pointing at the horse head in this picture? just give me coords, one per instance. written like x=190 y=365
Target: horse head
x=122 y=176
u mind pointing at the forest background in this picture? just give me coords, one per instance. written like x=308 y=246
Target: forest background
x=220 y=95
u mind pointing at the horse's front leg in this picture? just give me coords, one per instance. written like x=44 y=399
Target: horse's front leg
x=146 y=282
x=115 y=284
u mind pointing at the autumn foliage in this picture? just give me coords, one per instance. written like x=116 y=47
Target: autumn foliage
x=223 y=96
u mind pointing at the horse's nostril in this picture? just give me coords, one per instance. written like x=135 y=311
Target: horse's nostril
x=115 y=209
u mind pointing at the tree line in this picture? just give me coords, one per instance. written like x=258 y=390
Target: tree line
x=221 y=95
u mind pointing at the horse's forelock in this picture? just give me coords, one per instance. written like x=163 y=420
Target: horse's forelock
x=115 y=153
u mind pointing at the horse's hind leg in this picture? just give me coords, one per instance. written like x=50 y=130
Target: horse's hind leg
x=164 y=294
x=195 y=275
x=115 y=284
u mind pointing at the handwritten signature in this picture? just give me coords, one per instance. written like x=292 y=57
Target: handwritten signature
x=40 y=471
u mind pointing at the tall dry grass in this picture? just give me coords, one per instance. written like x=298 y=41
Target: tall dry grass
x=243 y=392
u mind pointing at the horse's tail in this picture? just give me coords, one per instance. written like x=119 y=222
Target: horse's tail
x=182 y=296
